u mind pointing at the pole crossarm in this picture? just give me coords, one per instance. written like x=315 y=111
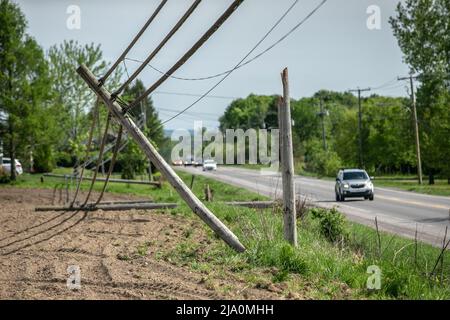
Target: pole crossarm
x=186 y=194
x=131 y=45
x=190 y=52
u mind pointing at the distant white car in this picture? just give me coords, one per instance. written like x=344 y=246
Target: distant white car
x=209 y=165
x=7 y=166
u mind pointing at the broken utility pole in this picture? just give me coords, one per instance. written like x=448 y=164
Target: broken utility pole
x=186 y=194
x=287 y=163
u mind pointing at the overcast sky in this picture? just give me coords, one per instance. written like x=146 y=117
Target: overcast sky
x=334 y=50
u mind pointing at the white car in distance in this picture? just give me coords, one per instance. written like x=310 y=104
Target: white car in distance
x=209 y=165
x=7 y=166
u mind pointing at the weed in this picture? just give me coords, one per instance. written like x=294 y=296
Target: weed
x=332 y=224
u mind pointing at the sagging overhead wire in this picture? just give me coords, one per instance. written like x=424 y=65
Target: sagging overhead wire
x=248 y=61
x=175 y=28
x=133 y=42
x=219 y=22
x=227 y=74
x=194 y=95
x=88 y=150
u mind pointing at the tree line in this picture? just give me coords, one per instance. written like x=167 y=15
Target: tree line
x=423 y=32
x=46 y=109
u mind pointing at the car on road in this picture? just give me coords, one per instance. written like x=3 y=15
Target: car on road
x=209 y=165
x=190 y=161
x=7 y=166
x=353 y=183
x=177 y=162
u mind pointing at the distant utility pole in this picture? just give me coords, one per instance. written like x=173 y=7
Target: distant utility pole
x=361 y=160
x=416 y=124
x=322 y=115
x=287 y=163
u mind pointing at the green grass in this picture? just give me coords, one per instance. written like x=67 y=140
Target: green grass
x=222 y=192
x=440 y=188
x=318 y=268
x=330 y=267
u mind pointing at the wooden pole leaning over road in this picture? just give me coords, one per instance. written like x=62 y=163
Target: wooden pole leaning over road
x=186 y=194
x=287 y=163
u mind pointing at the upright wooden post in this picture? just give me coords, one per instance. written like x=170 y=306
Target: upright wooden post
x=186 y=194
x=287 y=163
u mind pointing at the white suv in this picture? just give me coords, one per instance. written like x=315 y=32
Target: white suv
x=7 y=166
x=209 y=165
x=353 y=183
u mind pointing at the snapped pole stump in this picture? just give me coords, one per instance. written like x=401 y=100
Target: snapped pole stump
x=186 y=194
x=287 y=163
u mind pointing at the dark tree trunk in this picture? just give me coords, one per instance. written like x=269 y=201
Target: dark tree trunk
x=12 y=151
x=448 y=180
x=431 y=178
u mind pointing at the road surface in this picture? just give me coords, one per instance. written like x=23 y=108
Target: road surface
x=400 y=212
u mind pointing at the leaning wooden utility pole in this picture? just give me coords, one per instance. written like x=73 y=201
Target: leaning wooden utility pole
x=186 y=194
x=287 y=163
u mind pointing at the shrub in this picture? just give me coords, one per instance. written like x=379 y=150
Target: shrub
x=282 y=256
x=333 y=225
x=64 y=159
x=290 y=260
x=43 y=159
x=4 y=176
x=132 y=161
x=325 y=163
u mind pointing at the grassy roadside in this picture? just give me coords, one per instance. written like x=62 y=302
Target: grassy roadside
x=331 y=261
x=440 y=188
x=402 y=182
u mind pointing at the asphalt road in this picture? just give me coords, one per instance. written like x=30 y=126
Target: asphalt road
x=400 y=212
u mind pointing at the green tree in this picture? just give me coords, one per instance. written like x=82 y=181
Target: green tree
x=247 y=113
x=145 y=113
x=422 y=29
x=25 y=89
x=132 y=160
x=73 y=96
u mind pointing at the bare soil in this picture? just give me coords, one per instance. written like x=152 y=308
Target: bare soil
x=36 y=248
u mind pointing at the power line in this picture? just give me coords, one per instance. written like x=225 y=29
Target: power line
x=175 y=28
x=386 y=84
x=133 y=42
x=192 y=113
x=250 y=52
x=250 y=60
x=204 y=38
x=359 y=90
x=194 y=95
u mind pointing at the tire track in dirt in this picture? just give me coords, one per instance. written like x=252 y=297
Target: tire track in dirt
x=153 y=289
x=109 y=249
x=43 y=232
x=32 y=227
